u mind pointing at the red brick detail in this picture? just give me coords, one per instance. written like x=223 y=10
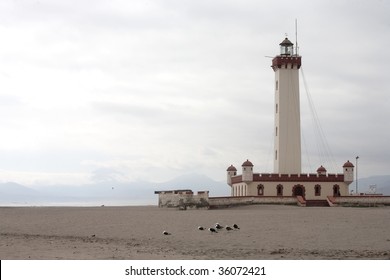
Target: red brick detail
x=274 y=177
x=283 y=61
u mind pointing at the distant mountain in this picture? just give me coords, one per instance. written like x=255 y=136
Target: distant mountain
x=141 y=192
x=11 y=192
x=382 y=184
x=11 y=188
x=110 y=192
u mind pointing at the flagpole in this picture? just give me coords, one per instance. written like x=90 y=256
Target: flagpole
x=357 y=193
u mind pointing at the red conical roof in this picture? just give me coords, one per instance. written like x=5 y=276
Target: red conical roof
x=348 y=164
x=247 y=163
x=321 y=169
x=231 y=168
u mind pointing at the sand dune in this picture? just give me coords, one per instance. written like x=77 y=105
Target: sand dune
x=266 y=232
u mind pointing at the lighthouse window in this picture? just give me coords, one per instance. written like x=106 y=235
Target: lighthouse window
x=276 y=155
x=276 y=131
x=276 y=109
x=277 y=85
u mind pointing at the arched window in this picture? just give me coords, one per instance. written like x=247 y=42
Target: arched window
x=317 y=190
x=279 y=190
x=260 y=189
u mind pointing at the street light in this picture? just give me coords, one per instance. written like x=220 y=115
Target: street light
x=357 y=175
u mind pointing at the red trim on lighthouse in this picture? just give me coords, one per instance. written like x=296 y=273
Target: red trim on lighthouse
x=280 y=61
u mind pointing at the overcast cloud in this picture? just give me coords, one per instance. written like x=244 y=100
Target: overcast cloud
x=148 y=90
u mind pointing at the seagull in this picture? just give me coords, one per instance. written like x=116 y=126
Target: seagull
x=218 y=226
x=228 y=228
x=166 y=233
x=201 y=228
x=213 y=230
x=236 y=226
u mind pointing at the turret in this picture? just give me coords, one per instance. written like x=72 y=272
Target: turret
x=321 y=170
x=247 y=171
x=231 y=171
x=348 y=172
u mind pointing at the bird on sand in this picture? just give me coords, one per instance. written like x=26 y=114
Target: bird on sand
x=213 y=230
x=235 y=226
x=166 y=233
x=218 y=226
x=228 y=228
x=200 y=228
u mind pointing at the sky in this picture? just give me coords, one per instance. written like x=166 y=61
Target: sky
x=98 y=90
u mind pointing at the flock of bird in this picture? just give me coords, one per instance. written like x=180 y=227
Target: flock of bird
x=217 y=227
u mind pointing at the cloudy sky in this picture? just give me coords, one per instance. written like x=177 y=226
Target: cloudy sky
x=149 y=90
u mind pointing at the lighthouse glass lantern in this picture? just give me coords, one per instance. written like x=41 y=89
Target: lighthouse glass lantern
x=286 y=47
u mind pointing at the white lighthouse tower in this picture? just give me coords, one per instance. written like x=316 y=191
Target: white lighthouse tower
x=287 y=154
x=312 y=189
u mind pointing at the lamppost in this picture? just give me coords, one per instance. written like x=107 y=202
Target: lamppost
x=357 y=193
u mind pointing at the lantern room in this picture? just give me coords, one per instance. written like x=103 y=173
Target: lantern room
x=286 y=48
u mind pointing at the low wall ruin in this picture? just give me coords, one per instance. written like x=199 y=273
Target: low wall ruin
x=183 y=199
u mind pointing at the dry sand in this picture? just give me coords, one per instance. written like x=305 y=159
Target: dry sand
x=267 y=232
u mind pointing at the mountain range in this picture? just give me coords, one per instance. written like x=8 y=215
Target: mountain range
x=135 y=193
x=106 y=193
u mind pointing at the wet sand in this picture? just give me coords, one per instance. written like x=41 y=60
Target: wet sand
x=135 y=232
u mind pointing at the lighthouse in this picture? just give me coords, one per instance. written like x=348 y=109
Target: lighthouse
x=287 y=130
x=287 y=181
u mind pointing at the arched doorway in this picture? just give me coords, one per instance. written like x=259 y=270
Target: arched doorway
x=336 y=190
x=298 y=190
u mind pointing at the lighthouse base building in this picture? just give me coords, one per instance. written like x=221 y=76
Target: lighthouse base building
x=314 y=188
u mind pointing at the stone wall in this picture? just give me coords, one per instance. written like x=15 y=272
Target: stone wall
x=229 y=201
x=363 y=201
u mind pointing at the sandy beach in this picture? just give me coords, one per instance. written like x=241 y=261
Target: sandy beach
x=135 y=232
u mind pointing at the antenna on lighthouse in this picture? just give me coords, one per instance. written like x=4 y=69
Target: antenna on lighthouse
x=296 y=37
